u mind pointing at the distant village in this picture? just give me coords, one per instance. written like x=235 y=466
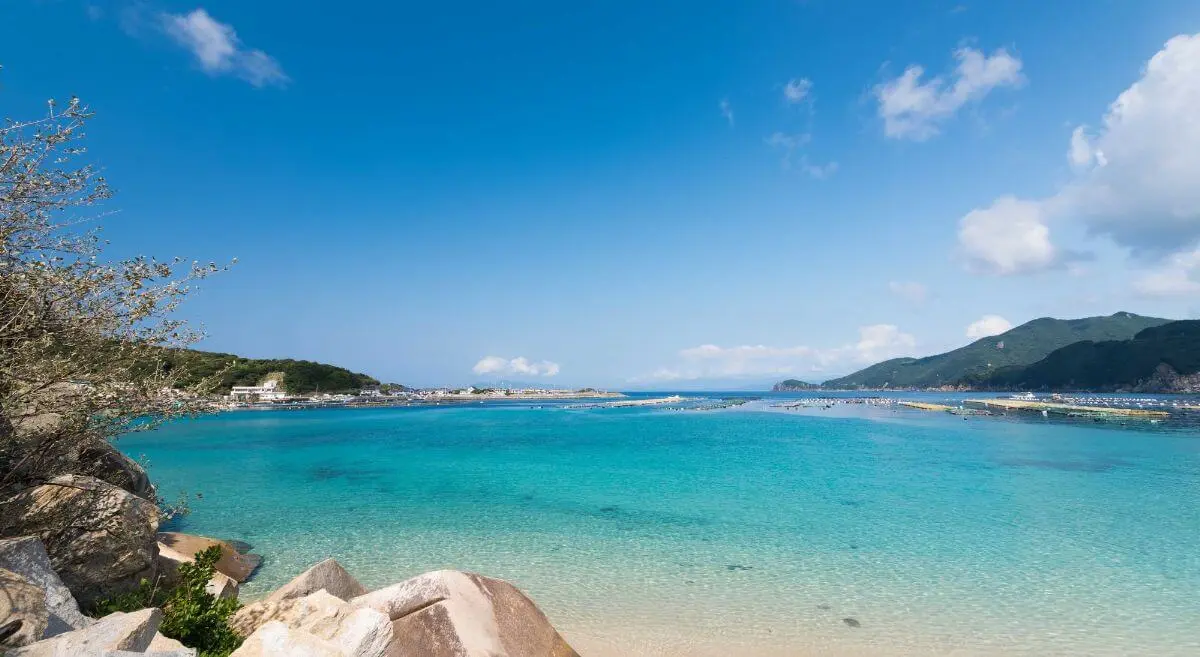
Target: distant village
x=270 y=394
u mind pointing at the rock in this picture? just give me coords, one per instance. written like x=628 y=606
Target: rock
x=222 y=586
x=356 y=632
x=449 y=613
x=852 y=622
x=100 y=459
x=169 y=560
x=162 y=643
x=328 y=575
x=23 y=602
x=233 y=563
x=115 y=632
x=100 y=538
x=26 y=556
x=275 y=639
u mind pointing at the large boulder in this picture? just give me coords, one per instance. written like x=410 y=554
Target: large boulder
x=175 y=548
x=26 y=556
x=356 y=632
x=23 y=612
x=449 y=613
x=100 y=538
x=115 y=632
x=100 y=459
x=328 y=576
x=278 y=640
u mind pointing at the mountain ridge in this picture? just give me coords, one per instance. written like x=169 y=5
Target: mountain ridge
x=1018 y=347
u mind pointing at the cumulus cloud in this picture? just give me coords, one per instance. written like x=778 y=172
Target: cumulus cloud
x=910 y=291
x=726 y=110
x=219 y=51
x=1008 y=237
x=1135 y=182
x=912 y=108
x=987 y=326
x=876 y=342
x=796 y=90
x=519 y=366
x=1178 y=276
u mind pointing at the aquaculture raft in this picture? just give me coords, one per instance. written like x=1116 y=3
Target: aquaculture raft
x=1066 y=409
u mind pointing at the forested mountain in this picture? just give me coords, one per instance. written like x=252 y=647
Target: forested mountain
x=1158 y=359
x=1020 y=346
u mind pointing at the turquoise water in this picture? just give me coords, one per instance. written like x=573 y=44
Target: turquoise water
x=745 y=531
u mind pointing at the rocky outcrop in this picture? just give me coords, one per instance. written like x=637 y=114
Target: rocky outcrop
x=351 y=631
x=440 y=614
x=327 y=576
x=100 y=459
x=234 y=563
x=449 y=613
x=1166 y=380
x=23 y=613
x=176 y=549
x=116 y=632
x=26 y=556
x=278 y=640
x=100 y=538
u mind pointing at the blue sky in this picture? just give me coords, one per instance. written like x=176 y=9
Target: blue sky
x=661 y=194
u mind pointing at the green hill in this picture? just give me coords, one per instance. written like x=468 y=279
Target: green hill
x=1023 y=345
x=299 y=376
x=795 y=384
x=1155 y=360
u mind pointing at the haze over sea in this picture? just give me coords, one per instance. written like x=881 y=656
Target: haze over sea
x=745 y=531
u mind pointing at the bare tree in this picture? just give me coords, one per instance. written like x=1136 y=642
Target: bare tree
x=82 y=339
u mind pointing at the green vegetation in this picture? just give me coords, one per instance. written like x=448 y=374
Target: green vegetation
x=1110 y=365
x=794 y=384
x=299 y=376
x=191 y=615
x=1023 y=345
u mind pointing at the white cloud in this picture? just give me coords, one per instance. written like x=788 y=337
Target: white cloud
x=519 y=366
x=790 y=144
x=1142 y=186
x=709 y=361
x=218 y=49
x=987 y=326
x=1135 y=180
x=912 y=108
x=726 y=110
x=796 y=90
x=910 y=291
x=1178 y=276
x=817 y=171
x=1008 y=237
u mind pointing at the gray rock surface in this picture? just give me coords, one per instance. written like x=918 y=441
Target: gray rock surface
x=26 y=556
x=100 y=538
x=22 y=602
x=115 y=632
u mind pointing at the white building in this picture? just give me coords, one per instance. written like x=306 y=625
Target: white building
x=269 y=391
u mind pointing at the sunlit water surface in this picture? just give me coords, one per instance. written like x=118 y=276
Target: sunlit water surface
x=745 y=531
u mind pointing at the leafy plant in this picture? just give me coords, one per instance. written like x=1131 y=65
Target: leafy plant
x=191 y=614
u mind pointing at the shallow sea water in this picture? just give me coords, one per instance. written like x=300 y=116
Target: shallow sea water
x=746 y=531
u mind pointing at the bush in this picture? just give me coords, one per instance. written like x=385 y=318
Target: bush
x=191 y=615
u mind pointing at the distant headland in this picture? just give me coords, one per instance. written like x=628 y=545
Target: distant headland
x=1122 y=352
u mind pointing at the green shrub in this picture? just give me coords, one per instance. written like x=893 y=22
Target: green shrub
x=193 y=616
